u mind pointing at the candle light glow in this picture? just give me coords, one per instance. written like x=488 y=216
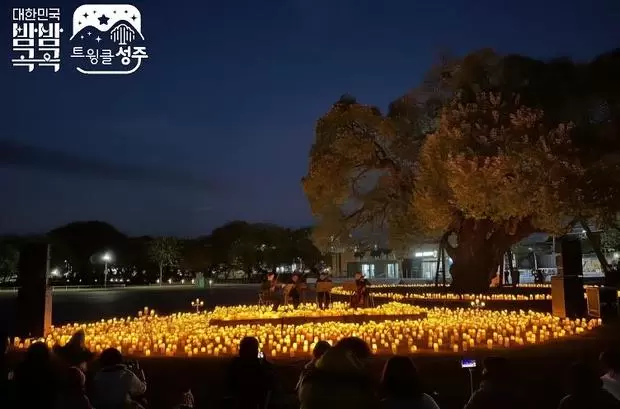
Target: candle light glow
x=443 y=330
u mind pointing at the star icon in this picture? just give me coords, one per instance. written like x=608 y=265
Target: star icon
x=134 y=18
x=89 y=33
x=85 y=15
x=98 y=39
x=103 y=20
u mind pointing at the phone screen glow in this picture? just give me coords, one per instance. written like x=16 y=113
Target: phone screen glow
x=468 y=363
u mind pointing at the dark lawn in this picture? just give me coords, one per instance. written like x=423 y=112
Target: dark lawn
x=91 y=305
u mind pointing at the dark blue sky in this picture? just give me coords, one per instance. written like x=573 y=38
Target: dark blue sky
x=227 y=102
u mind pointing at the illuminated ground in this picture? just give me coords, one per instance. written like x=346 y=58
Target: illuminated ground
x=443 y=330
x=538 y=369
x=389 y=292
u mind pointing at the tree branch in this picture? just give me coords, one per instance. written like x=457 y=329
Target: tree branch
x=383 y=159
x=356 y=213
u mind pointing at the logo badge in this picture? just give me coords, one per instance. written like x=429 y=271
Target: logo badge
x=107 y=39
x=36 y=38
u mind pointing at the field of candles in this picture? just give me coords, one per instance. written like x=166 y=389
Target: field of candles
x=385 y=293
x=438 y=330
x=525 y=296
x=307 y=313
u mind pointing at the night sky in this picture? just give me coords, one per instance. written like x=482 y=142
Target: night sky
x=217 y=124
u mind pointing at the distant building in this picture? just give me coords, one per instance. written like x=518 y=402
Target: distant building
x=383 y=266
x=537 y=251
x=339 y=262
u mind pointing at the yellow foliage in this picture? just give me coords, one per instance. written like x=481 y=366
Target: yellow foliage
x=494 y=160
x=357 y=173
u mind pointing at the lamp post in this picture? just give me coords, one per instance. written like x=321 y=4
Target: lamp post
x=477 y=304
x=198 y=303
x=107 y=257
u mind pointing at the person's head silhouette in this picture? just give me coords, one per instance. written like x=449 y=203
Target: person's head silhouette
x=248 y=348
x=400 y=378
x=320 y=348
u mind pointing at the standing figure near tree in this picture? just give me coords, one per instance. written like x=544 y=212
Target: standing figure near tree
x=360 y=297
x=539 y=277
x=270 y=290
x=295 y=292
x=323 y=298
x=514 y=276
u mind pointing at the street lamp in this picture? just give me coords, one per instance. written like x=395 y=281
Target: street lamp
x=198 y=303
x=477 y=304
x=107 y=257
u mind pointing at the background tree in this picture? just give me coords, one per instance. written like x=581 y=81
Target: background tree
x=136 y=254
x=610 y=240
x=77 y=243
x=260 y=246
x=245 y=254
x=165 y=252
x=9 y=259
x=278 y=247
x=224 y=242
x=304 y=248
x=196 y=254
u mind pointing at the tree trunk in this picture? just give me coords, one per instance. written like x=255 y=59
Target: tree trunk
x=473 y=272
x=481 y=245
x=502 y=265
x=161 y=274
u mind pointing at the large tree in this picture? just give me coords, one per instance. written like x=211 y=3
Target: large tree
x=491 y=175
x=374 y=171
x=362 y=170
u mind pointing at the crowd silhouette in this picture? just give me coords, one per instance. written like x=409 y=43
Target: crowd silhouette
x=338 y=376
